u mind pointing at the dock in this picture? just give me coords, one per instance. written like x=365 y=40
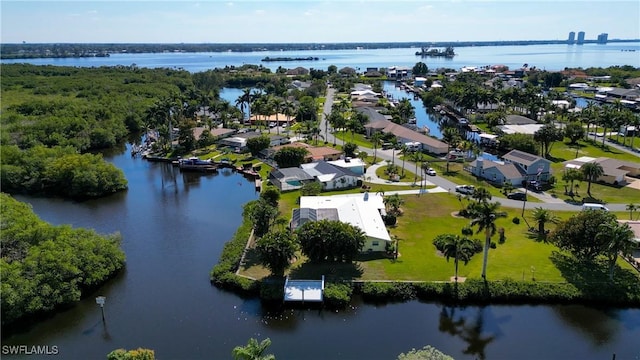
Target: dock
x=303 y=290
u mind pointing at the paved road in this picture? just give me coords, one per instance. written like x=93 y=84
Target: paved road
x=443 y=184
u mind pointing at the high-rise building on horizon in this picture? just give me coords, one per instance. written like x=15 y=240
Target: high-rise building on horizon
x=580 y=38
x=602 y=38
x=572 y=38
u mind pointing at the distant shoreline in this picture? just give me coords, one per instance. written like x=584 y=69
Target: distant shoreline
x=67 y=50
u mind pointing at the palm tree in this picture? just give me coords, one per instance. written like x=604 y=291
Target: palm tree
x=507 y=187
x=417 y=157
x=459 y=248
x=631 y=208
x=591 y=171
x=619 y=239
x=253 y=350
x=451 y=137
x=393 y=202
x=542 y=217
x=485 y=216
x=481 y=194
x=375 y=140
x=405 y=153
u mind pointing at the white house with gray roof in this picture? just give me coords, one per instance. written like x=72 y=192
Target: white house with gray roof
x=330 y=175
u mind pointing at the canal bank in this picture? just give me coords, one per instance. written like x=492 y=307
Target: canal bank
x=174 y=226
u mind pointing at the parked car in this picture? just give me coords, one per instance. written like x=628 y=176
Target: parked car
x=517 y=196
x=465 y=189
x=535 y=186
x=431 y=172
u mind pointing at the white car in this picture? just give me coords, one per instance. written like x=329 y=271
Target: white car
x=431 y=172
x=465 y=189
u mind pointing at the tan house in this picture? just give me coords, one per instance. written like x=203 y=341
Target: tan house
x=405 y=135
x=615 y=171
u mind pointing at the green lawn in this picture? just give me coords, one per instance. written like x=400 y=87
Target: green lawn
x=358 y=139
x=427 y=216
x=563 y=151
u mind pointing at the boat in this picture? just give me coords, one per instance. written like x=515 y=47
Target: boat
x=195 y=164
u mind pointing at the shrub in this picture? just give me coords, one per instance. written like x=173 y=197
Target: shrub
x=337 y=296
x=272 y=290
x=467 y=230
x=516 y=220
x=388 y=291
x=493 y=245
x=390 y=219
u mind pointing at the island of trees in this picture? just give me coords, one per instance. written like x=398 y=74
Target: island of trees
x=432 y=52
x=308 y=58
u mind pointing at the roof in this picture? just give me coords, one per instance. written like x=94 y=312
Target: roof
x=303 y=290
x=508 y=170
x=611 y=167
x=222 y=131
x=370 y=112
x=529 y=129
x=360 y=210
x=290 y=173
x=387 y=126
x=518 y=120
x=325 y=171
x=522 y=157
x=343 y=163
x=302 y=215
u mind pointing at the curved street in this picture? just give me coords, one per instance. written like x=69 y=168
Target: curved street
x=443 y=184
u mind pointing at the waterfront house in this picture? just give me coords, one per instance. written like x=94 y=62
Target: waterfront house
x=515 y=168
x=216 y=133
x=399 y=72
x=332 y=177
x=404 y=135
x=363 y=211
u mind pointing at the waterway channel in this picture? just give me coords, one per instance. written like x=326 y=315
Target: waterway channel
x=174 y=226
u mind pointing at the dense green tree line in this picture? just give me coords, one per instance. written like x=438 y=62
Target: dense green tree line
x=58 y=171
x=45 y=266
x=88 y=108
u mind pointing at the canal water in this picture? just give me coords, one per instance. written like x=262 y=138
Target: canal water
x=174 y=226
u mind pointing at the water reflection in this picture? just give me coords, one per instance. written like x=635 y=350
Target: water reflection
x=599 y=327
x=477 y=327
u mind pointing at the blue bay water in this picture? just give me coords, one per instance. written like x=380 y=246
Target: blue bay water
x=549 y=57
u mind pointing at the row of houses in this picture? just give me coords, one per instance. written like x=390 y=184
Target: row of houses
x=332 y=175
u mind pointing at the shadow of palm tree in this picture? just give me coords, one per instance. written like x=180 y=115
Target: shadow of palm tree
x=592 y=278
x=332 y=271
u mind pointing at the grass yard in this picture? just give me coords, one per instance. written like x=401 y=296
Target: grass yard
x=611 y=194
x=522 y=256
x=427 y=216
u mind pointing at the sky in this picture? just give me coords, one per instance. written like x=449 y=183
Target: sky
x=312 y=21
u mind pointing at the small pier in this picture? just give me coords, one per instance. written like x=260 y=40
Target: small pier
x=303 y=290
